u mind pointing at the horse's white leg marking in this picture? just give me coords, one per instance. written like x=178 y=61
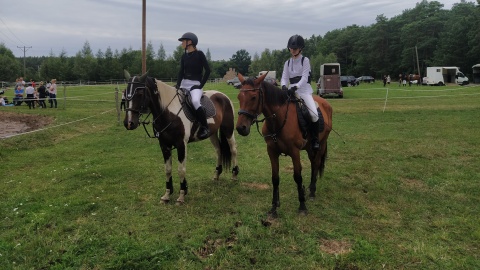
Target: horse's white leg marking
x=233 y=149
x=216 y=144
x=168 y=172
x=182 y=171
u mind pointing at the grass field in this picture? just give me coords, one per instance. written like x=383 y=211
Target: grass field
x=400 y=191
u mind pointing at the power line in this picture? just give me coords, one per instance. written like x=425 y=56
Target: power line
x=11 y=31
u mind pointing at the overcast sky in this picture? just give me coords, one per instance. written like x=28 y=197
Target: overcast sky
x=222 y=26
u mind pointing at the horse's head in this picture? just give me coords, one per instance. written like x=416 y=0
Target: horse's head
x=251 y=102
x=137 y=100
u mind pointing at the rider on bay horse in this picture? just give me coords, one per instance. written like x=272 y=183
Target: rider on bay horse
x=192 y=78
x=297 y=74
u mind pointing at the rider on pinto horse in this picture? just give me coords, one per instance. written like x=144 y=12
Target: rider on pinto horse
x=190 y=77
x=296 y=74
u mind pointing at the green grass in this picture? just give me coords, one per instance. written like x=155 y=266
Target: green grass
x=401 y=190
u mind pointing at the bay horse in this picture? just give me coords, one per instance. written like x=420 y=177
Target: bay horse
x=282 y=133
x=174 y=130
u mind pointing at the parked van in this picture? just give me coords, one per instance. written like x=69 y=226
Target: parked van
x=444 y=75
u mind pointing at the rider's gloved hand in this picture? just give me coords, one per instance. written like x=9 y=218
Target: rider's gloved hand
x=291 y=91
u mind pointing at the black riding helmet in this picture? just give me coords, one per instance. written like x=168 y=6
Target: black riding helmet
x=296 y=42
x=191 y=36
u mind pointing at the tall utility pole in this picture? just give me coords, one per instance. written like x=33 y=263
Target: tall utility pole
x=418 y=65
x=24 y=50
x=144 y=53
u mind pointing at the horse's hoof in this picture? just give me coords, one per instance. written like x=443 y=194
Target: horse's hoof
x=162 y=201
x=266 y=222
x=302 y=212
x=272 y=214
x=179 y=203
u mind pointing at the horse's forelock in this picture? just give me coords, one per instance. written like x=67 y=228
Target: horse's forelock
x=249 y=81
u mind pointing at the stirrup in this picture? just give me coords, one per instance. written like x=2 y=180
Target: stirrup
x=203 y=133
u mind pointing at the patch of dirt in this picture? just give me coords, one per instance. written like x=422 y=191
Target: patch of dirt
x=14 y=123
x=335 y=246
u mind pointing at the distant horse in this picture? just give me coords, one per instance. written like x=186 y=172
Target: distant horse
x=174 y=130
x=282 y=133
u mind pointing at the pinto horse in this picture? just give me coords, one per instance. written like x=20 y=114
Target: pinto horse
x=282 y=133
x=174 y=130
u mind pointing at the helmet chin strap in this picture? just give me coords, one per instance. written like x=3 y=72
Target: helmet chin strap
x=186 y=47
x=299 y=52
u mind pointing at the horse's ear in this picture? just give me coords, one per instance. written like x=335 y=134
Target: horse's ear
x=143 y=77
x=126 y=74
x=240 y=77
x=260 y=79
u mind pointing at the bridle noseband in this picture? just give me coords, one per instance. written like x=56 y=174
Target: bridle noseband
x=253 y=116
x=130 y=94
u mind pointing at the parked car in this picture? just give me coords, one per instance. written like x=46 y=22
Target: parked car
x=271 y=80
x=368 y=79
x=348 y=80
x=233 y=81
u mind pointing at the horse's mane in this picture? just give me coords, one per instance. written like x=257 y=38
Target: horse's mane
x=166 y=92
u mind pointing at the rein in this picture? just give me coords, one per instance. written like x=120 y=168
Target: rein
x=133 y=91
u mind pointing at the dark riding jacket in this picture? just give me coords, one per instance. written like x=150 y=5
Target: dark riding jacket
x=192 y=66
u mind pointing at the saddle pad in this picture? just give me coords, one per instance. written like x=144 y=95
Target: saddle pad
x=207 y=104
x=304 y=120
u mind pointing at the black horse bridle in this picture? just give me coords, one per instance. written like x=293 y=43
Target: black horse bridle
x=132 y=88
x=254 y=116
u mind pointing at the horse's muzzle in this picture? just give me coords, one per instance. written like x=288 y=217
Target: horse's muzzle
x=243 y=130
x=129 y=125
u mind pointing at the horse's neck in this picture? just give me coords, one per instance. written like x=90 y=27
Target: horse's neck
x=166 y=94
x=168 y=99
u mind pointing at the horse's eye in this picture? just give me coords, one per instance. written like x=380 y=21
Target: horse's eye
x=253 y=98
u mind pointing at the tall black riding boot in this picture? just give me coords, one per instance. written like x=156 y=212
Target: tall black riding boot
x=315 y=129
x=314 y=135
x=203 y=131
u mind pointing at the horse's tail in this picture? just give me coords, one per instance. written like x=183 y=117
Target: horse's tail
x=226 y=154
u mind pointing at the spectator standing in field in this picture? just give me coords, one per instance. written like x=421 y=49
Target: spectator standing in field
x=122 y=104
x=42 y=95
x=388 y=79
x=30 y=91
x=52 y=91
x=384 y=80
x=193 y=74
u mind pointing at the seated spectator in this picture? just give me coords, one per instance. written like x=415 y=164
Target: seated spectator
x=4 y=100
x=18 y=99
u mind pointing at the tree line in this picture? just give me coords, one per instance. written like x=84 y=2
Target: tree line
x=438 y=37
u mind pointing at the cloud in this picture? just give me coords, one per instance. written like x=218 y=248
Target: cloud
x=223 y=27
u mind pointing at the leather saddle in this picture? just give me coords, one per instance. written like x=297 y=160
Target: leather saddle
x=186 y=101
